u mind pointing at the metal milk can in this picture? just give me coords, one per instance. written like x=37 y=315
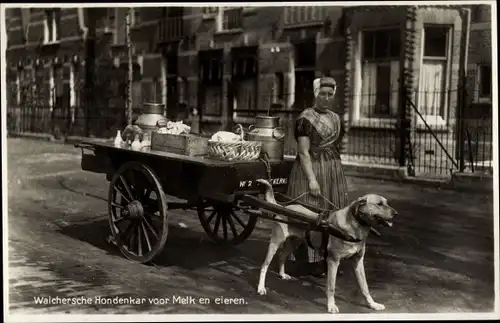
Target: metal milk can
x=272 y=136
x=151 y=114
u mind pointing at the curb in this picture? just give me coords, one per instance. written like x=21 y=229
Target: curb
x=76 y=139
x=48 y=137
x=33 y=135
x=465 y=182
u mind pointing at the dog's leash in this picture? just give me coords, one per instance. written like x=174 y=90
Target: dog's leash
x=320 y=195
x=321 y=218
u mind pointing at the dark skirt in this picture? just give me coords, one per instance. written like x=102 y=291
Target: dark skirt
x=333 y=185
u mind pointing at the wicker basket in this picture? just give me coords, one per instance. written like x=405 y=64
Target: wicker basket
x=240 y=150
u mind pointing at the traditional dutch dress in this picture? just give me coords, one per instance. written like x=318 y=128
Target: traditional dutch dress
x=325 y=131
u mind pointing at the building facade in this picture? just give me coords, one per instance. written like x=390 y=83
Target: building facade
x=225 y=65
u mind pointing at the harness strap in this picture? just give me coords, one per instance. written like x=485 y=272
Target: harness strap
x=265 y=160
x=322 y=222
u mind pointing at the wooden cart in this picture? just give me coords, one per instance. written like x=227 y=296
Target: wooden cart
x=225 y=195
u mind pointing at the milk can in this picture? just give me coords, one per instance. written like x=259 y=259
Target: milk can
x=151 y=114
x=272 y=136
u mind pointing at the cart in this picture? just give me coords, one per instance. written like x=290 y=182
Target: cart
x=225 y=195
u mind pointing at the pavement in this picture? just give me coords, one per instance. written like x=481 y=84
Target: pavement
x=437 y=258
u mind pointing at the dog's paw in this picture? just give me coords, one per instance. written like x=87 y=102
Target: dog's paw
x=377 y=307
x=261 y=290
x=285 y=276
x=333 y=309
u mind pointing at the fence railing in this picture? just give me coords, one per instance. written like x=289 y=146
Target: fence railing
x=375 y=134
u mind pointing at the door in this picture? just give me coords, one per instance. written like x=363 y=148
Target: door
x=304 y=93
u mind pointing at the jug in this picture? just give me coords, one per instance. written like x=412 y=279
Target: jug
x=148 y=120
x=272 y=136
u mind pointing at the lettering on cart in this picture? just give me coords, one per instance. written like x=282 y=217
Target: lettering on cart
x=273 y=181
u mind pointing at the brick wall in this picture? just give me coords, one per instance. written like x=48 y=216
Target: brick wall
x=262 y=26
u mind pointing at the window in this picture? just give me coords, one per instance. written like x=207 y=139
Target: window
x=74 y=83
x=212 y=100
x=301 y=15
x=228 y=18
x=480 y=13
x=304 y=92
x=232 y=19
x=433 y=91
x=55 y=86
x=51 y=25
x=210 y=76
x=209 y=11
x=485 y=82
x=380 y=73
x=153 y=90
x=244 y=103
x=244 y=67
x=211 y=72
x=305 y=54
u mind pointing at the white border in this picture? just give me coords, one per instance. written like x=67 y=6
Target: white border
x=223 y=317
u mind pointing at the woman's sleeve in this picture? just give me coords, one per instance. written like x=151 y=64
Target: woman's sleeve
x=302 y=128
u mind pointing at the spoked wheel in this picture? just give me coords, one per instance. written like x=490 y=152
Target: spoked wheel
x=137 y=212
x=224 y=223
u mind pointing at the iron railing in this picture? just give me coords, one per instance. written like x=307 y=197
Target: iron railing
x=431 y=148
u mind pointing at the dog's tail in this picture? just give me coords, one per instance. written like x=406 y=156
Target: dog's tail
x=269 y=195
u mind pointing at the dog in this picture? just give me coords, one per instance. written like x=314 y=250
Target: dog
x=354 y=220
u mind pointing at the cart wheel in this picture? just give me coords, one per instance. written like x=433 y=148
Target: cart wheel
x=137 y=212
x=224 y=224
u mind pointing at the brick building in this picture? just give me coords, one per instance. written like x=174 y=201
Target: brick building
x=229 y=64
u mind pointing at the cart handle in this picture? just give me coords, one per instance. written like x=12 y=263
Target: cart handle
x=315 y=209
x=259 y=203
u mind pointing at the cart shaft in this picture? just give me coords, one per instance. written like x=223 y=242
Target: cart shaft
x=259 y=203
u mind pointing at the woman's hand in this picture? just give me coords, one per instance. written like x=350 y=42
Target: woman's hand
x=314 y=187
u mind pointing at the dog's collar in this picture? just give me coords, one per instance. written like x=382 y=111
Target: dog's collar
x=358 y=218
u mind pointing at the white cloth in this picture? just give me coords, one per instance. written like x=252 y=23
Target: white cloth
x=316 y=84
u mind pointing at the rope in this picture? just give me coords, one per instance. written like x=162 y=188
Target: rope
x=295 y=199
x=265 y=160
x=330 y=202
x=320 y=195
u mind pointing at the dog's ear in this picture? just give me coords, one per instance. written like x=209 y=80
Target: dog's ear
x=359 y=203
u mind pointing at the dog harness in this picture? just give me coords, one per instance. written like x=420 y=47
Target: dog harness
x=321 y=222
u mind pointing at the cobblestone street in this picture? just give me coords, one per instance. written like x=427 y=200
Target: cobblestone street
x=438 y=257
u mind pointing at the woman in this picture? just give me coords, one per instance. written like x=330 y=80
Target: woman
x=317 y=171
